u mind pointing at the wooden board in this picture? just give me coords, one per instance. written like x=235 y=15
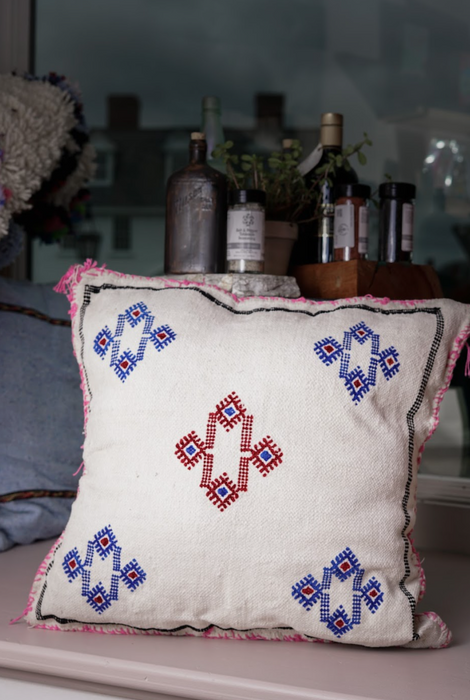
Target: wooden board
x=340 y=280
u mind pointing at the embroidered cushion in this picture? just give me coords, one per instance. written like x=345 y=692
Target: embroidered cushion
x=40 y=414
x=250 y=465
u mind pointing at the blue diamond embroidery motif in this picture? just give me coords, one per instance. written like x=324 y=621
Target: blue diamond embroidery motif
x=328 y=350
x=345 y=564
x=372 y=595
x=389 y=362
x=361 y=332
x=103 y=342
x=72 y=565
x=104 y=542
x=133 y=575
x=99 y=599
x=161 y=337
x=347 y=569
x=230 y=411
x=357 y=384
x=134 y=314
x=125 y=364
x=307 y=592
x=223 y=492
x=190 y=449
x=266 y=456
x=339 y=622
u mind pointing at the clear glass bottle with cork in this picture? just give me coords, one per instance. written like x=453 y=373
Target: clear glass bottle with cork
x=196 y=215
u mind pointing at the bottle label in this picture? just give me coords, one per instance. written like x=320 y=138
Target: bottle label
x=407 y=228
x=245 y=235
x=344 y=225
x=363 y=230
x=201 y=194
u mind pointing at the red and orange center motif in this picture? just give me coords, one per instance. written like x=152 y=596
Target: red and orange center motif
x=162 y=335
x=339 y=623
x=72 y=563
x=136 y=313
x=124 y=364
x=345 y=566
x=373 y=593
x=390 y=361
x=132 y=575
x=357 y=383
x=104 y=541
x=103 y=342
x=98 y=599
x=308 y=590
x=328 y=348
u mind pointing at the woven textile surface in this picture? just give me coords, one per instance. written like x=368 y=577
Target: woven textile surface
x=40 y=414
x=250 y=465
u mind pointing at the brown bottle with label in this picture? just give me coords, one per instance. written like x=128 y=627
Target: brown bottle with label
x=196 y=215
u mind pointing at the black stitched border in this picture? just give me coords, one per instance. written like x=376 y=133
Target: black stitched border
x=436 y=311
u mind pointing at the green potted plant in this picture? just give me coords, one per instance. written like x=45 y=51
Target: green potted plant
x=289 y=200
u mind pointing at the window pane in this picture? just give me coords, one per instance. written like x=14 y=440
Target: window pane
x=397 y=69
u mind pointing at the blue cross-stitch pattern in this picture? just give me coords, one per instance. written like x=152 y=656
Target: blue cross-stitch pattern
x=103 y=342
x=103 y=543
x=345 y=566
x=167 y=335
x=307 y=591
x=358 y=381
x=361 y=332
x=389 y=369
x=229 y=411
x=266 y=456
x=223 y=491
x=133 y=575
x=123 y=360
x=72 y=565
x=99 y=599
x=339 y=622
x=190 y=449
x=357 y=384
x=328 y=350
x=373 y=596
x=136 y=313
x=125 y=364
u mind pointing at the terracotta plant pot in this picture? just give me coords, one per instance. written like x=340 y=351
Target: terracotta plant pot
x=279 y=239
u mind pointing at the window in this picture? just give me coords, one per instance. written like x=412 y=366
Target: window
x=122 y=233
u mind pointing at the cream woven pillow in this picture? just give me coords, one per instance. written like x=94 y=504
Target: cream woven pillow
x=250 y=465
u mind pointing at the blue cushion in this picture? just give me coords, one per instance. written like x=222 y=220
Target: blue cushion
x=41 y=414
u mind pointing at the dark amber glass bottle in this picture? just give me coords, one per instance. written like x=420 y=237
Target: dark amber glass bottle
x=196 y=215
x=316 y=236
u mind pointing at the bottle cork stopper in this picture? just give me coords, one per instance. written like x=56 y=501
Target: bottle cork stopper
x=287 y=143
x=197 y=136
x=331 y=119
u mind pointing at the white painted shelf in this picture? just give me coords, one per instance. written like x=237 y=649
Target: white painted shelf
x=163 y=667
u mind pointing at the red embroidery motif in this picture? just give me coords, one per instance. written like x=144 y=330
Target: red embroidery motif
x=265 y=455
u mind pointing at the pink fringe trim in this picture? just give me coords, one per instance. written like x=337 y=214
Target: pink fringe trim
x=467 y=364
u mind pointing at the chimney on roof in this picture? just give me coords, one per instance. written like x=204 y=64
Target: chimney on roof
x=123 y=112
x=269 y=111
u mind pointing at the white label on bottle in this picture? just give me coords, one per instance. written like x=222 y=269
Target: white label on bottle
x=311 y=161
x=245 y=235
x=344 y=225
x=363 y=231
x=407 y=219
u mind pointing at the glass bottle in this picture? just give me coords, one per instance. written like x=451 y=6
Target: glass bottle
x=315 y=243
x=396 y=221
x=245 y=231
x=196 y=215
x=212 y=128
x=351 y=222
